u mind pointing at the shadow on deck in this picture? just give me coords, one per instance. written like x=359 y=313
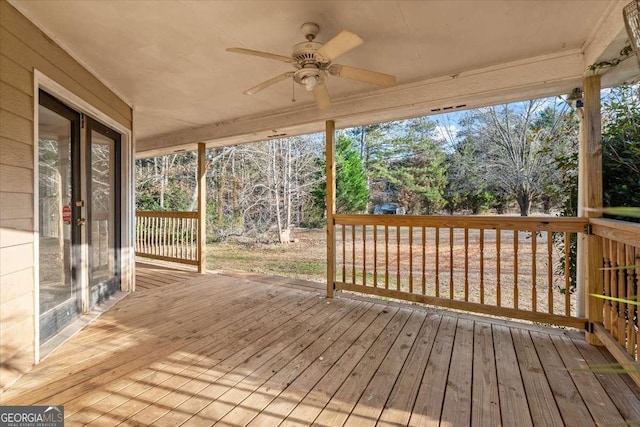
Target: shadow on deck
x=243 y=349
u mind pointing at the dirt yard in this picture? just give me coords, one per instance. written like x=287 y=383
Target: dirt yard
x=476 y=274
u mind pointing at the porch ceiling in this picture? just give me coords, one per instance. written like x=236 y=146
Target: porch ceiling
x=168 y=59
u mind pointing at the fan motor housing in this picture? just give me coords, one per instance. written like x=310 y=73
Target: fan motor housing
x=305 y=53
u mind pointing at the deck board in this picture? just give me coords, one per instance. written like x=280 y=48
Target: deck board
x=428 y=405
x=397 y=410
x=514 y=407
x=596 y=398
x=543 y=408
x=247 y=401
x=243 y=349
x=456 y=408
x=572 y=407
x=372 y=401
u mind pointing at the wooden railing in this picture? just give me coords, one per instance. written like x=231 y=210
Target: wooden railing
x=621 y=270
x=504 y=266
x=168 y=236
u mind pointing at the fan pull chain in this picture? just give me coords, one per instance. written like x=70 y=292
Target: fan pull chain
x=293 y=90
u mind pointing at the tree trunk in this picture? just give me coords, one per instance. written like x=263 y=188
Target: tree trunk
x=163 y=179
x=288 y=191
x=276 y=191
x=524 y=202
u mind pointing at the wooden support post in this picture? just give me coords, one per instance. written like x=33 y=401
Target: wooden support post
x=202 y=208
x=331 y=206
x=581 y=291
x=590 y=173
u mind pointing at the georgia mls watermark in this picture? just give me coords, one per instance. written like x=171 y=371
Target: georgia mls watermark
x=32 y=416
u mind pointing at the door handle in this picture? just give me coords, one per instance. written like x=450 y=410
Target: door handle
x=81 y=221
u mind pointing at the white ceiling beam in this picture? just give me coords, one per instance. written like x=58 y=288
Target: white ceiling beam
x=526 y=79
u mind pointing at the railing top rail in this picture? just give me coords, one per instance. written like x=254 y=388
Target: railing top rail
x=166 y=214
x=621 y=231
x=542 y=223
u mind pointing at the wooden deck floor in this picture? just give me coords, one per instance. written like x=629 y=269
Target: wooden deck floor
x=241 y=349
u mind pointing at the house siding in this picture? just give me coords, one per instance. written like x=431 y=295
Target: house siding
x=23 y=48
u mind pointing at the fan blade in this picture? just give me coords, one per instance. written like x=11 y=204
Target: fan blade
x=321 y=95
x=362 y=75
x=268 y=83
x=339 y=45
x=261 y=54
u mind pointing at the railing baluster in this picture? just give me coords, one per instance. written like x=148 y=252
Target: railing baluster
x=344 y=253
x=622 y=307
x=164 y=237
x=451 y=263
x=614 y=289
x=353 y=254
x=534 y=279
x=607 y=283
x=375 y=256
x=364 y=255
x=424 y=261
x=155 y=236
x=498 y=278
x=190 y=238
x=567 y=274
x=174 y=252
x=551 y=308
x=398 y=258
x=636 y=262
x=437 y=261
x=386 y=256
x=516 y=238
x=411 y=259
x=182 y=237
x=631 y=336
x=466 y=264
x=481 y=266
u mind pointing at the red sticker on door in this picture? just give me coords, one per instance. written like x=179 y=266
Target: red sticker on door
x=66 y=214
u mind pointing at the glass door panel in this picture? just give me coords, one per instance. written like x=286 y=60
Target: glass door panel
x=103 y=212
x=58 y=180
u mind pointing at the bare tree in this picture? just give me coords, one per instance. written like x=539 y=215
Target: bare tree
x=516 y=136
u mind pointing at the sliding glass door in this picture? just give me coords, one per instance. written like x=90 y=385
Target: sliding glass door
x=59 y=239
x=103 y=227
x=79 y=214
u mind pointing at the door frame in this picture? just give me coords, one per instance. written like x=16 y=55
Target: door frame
x=126 y=199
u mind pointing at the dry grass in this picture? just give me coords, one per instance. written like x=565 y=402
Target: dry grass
x=305 y=258
x=473 y=274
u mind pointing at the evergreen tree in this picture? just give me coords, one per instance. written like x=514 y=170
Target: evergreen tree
x=468 y=187
x=352 y=193
x=410 y=167
x=621 y=147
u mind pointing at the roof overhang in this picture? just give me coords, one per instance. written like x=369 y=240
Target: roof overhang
x=447 y=55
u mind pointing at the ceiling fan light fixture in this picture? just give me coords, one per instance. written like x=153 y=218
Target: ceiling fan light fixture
x=310 y=82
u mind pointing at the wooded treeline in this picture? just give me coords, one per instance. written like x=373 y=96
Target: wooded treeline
x=521 y=155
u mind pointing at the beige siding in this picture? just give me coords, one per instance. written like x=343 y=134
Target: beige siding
x=23 y=48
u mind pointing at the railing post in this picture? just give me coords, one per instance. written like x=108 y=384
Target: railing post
x=202 y=208
x=331 y=206
x=590 y=173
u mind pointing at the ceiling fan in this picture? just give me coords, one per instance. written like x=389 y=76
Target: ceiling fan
x=312 y=61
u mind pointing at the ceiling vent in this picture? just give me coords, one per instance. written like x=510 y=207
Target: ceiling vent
x=447 y=109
